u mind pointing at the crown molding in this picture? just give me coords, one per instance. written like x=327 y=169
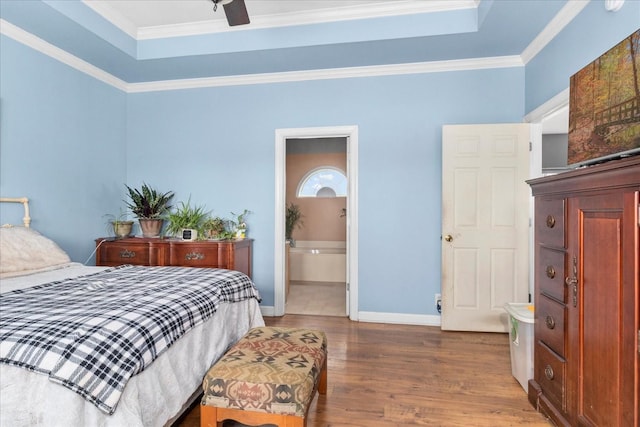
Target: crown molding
x=553 y=28
x=54 y=52
x=36 y=43
x=551 y=106
x=328 y=74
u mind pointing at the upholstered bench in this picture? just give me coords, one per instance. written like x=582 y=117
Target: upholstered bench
x=270 y=376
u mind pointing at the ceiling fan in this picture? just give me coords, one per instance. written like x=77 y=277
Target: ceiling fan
x=235 y=10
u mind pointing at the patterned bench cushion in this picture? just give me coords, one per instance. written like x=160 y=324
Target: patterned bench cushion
x=270 y=370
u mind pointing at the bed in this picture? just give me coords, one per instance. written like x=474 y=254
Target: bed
x=57 y=385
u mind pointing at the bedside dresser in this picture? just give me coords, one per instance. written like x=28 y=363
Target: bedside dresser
x=232 y=254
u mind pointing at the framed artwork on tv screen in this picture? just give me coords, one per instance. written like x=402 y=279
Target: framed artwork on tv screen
x=604 y=106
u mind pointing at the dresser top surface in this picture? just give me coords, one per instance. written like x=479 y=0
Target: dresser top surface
x=167 y=240
x=622 y=173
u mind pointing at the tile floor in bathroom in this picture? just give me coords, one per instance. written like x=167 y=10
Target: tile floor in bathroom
x=316 y=298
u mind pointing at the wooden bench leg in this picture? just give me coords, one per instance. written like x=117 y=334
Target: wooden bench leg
x=322 y=382
x=209 y=416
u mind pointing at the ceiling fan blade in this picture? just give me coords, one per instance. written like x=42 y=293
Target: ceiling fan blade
x=236 y=12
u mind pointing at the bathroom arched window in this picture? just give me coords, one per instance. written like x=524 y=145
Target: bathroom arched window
x=325 y=181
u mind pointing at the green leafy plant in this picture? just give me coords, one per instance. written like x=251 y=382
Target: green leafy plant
x=213 y=227
x=186 y=216
x=240 y=222
x=239 y=225
x=119 y=224
x=227 y=235
x=148 y=203
x=293 y=219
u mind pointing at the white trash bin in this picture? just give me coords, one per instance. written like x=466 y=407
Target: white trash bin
x=521 y=341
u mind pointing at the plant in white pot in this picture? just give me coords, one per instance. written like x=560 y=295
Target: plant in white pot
x=150 y=207
x=187 y=217
x=240 y=225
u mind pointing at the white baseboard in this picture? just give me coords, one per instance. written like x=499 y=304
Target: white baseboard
x=399 y=318
x=376 y=317
x=268 y=310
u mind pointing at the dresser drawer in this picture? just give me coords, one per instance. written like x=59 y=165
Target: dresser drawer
x=550 y=273
x=230 y=254
x=549 y=327
x=550 y=374
x=550 y=221
x=112 y=253
x=195 y=255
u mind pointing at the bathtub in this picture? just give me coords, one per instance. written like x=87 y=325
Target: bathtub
x=318 y=261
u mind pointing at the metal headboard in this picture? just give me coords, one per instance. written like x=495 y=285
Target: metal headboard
x=25 y=203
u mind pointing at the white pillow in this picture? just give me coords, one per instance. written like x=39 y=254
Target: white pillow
x=25 y=250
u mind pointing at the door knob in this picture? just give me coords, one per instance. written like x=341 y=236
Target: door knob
x=448 y=238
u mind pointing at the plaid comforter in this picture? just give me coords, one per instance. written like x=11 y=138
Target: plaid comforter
x=92 y=333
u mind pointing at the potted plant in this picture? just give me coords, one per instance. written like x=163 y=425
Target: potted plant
x=240 y=225
x=187 y=217
x=119 y=225
x=293 y=220
x=149 y=206
x=214 y=227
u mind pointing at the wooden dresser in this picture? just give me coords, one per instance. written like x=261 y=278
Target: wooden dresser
x=232 y=254
x=587 y=295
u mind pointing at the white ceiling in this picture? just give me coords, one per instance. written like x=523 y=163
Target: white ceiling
x=150 y=13
x=144 y=18
x=138 y=16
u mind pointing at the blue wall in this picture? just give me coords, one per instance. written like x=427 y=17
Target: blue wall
x=217 y=145
x=69 y=142
x=588 y=35
x=62 y=144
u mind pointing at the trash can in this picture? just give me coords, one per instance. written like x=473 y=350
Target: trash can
x=521 y=341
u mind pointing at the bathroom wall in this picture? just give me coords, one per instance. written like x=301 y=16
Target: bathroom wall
x=322 y=220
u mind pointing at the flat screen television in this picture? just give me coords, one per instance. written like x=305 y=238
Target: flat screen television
x=604 y=106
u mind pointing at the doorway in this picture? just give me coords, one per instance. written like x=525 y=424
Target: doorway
x=316 y=194
x=349 y=134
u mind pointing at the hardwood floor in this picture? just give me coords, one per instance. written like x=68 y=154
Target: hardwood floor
x=400 y=375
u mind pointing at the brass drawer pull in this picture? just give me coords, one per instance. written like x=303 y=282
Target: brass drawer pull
x=550 y=322
x=551 y=272
x=126 y=253
x=548 y=372
x=194 y=255
x=551 y=221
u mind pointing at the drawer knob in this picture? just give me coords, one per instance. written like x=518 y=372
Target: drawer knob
x=126 y=253
x=550 y=322
x=551 y=272
x=551 y=221
x=548 y=372
x=194 y=255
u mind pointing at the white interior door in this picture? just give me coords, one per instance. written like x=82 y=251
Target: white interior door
x=485 y=224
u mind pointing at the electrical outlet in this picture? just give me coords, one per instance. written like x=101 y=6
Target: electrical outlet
x=438 y=302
